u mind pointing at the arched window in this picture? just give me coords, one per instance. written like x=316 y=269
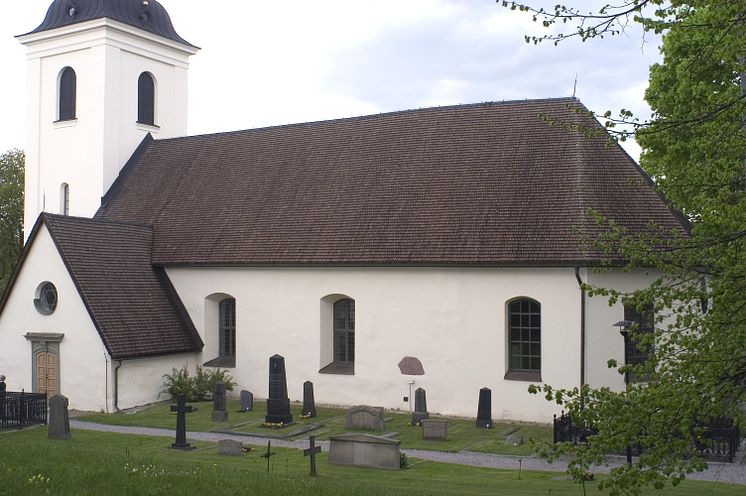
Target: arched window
x=65 y=199
x=227 y=328
x=524 y=340
x=344 y=331
x=641 y=324
x=67 y=90
x=146 y=99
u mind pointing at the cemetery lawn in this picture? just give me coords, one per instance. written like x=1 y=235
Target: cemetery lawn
x=462 y=435
x=94 y=463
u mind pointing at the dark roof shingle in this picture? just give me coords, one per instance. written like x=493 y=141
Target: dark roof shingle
x=133 y=305
x=489 y=183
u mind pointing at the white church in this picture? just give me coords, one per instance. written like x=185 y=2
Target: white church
x=452 y=235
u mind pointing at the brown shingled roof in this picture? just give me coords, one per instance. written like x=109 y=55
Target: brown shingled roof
x=483 y=184
x=133 y=306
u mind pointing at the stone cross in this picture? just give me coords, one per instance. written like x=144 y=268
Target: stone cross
x=311 y=451
x=420 y=406
x=269 y=454
x=484 y=411
x=181 y=409
x=59 y=420
x=219 y=410
x=278 y=403
x=309 y=403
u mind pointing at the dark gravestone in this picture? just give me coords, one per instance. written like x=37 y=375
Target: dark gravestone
x=278 y=403
x=311 y=451
x=309 y=404
x=411 y=366
x=484 y=412
x=219 y=410
x=59 y=420
x=420 y=406
x=181 y=410
x=247 y=401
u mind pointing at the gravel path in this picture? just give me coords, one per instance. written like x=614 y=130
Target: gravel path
x=716 y=472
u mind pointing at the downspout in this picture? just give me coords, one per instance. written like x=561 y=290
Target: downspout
x=116 y=385
x=582 y=336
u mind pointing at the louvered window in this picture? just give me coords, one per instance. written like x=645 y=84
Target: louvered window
x=146 y=99
x=344 y=330
x=67 y=94
x=227 y=328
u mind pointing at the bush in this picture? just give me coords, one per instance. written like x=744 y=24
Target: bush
x=197 y=388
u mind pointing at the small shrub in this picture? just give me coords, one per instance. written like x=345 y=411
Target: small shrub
x=403 y=462
x=197 y=388
x=177 y=382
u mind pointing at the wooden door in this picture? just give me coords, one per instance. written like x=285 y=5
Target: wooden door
x=46 y=377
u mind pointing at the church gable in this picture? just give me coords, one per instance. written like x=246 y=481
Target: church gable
x=484 y=184
x=132 y=305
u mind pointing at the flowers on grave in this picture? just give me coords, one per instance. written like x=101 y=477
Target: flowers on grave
x=414 y=424
x=306 y=415
x=272 y=425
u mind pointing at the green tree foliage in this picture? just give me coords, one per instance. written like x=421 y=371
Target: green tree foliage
x=11 y=212
x=694 y=147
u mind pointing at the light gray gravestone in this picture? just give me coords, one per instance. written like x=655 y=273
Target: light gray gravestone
x=59 y=419
x=247 y=401
x=364 y=450
x=229 y=447
x=435 y=430
x=420 y=406
x=514 y=440
x=219 y=411
x=365 y=417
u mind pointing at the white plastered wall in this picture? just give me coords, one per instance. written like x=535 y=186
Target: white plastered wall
x=452 y=319
x=140 y=380
x=83 y=358
x=88 y=153
x=603 y=340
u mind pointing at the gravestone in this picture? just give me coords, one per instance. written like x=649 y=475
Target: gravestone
x=309 y=404
x=247 y=401
x=219 y=410
x=435 y=430
x=229 y=447
x=513 y=440
x=278 y=403
x=181 y=410
x=365 y=417
x=484 y=412
x=59 y=419
x=420 y=406
x=311 y=451
x=364 y=450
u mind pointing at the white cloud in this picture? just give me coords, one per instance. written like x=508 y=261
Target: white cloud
x=266 y=63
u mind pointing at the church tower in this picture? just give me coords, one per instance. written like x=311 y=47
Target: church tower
x=102 y=74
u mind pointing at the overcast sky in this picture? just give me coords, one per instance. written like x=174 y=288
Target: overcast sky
x=266 y=62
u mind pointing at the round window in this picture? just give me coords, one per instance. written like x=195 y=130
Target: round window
x=46 y=298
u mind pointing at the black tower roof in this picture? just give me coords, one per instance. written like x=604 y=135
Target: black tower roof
x=148 y=15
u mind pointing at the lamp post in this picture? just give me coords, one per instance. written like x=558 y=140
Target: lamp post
x=624 y=327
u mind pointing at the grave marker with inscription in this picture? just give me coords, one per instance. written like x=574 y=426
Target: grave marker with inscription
x=278 y=403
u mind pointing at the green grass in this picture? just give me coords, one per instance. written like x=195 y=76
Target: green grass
x=461 y=432
x=93 y=463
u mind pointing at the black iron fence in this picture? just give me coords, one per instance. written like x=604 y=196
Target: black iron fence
x=21 y=409
x=719 y=441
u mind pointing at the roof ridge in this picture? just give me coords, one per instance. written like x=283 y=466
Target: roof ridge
x=96 y=220
x=373 y=116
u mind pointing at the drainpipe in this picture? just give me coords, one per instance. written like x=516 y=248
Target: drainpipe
x=116 y=385
x=582 y=336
